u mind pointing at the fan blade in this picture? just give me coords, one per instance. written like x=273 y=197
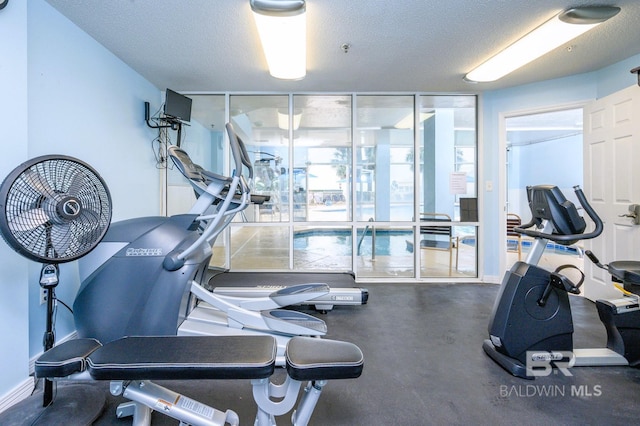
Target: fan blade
x=88 y=220
x=28 y=220
x=87 y=227
x=61 y=238
x=39 y=184
x=76 y=184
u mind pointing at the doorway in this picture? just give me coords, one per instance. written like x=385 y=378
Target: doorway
x=542 y=147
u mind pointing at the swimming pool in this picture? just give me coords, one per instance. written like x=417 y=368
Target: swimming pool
x=338 y=242
x=335 y=249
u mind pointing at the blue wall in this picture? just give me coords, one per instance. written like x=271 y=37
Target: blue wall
x=85 y=102
x=578 y=88
x=68 y=95
x=14 y=307
x=558 y=162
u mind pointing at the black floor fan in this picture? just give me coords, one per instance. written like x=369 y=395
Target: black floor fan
x=53 y=209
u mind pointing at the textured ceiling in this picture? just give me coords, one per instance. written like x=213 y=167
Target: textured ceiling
x=402 y=45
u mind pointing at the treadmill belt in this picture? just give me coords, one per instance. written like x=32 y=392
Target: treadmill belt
x=252 y=279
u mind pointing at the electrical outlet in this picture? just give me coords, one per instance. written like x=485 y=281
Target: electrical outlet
x=43 y=295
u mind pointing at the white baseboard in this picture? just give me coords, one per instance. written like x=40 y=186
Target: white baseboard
x=32 y=361
x=492 y=279
x=26 y=388
x=20 y=392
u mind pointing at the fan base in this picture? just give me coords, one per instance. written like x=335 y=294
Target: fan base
x=82 y=403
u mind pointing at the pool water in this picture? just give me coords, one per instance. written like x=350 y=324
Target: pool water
x=338 y=242
x=337 y=245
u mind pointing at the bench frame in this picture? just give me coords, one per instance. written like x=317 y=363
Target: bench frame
x=126 y=361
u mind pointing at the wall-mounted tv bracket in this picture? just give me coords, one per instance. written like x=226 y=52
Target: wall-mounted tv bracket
x=637 y=72
x=173 y=124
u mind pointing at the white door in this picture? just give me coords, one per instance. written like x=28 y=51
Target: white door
x=612 y=183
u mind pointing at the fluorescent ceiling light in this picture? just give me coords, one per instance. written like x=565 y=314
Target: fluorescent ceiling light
x=283 y=33
x=407 y=122
x=552 y=34
x=283 y=119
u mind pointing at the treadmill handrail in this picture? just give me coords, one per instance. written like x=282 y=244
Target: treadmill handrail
x=523 y=229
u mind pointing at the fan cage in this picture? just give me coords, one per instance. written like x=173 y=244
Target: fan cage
x=40 y=188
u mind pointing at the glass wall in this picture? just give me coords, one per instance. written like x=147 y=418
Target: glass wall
x=384 y=158
x=381 y=185
x=384 y=185
x=385 y=251
x=257 y=119
x=447 y=185
x=260 y=241
x=322 y=158
x=322 y=248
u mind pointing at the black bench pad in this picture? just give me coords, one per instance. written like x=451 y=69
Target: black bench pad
x=185 y=357
x=67 y=358
x=310 y=358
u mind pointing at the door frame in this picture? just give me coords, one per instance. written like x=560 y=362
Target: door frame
x=501 y=235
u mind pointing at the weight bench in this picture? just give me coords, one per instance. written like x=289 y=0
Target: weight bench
x=131 y=363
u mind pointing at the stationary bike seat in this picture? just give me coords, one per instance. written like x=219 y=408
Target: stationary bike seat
x=627 y=271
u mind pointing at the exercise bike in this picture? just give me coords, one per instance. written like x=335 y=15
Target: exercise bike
x=531 y=326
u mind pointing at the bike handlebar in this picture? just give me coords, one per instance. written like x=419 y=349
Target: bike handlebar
x=582 y=199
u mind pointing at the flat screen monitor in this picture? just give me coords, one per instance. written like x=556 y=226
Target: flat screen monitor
x=177 y=106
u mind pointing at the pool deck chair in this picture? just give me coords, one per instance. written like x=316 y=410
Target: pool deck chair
x=514 y=239
x=439 y=237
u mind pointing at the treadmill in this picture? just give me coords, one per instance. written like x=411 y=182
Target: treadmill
x=342 y=286
x=342 y=290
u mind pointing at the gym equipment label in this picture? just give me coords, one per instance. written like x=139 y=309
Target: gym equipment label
x=143 y=252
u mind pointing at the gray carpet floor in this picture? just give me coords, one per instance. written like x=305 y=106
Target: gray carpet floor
x=424 y=365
